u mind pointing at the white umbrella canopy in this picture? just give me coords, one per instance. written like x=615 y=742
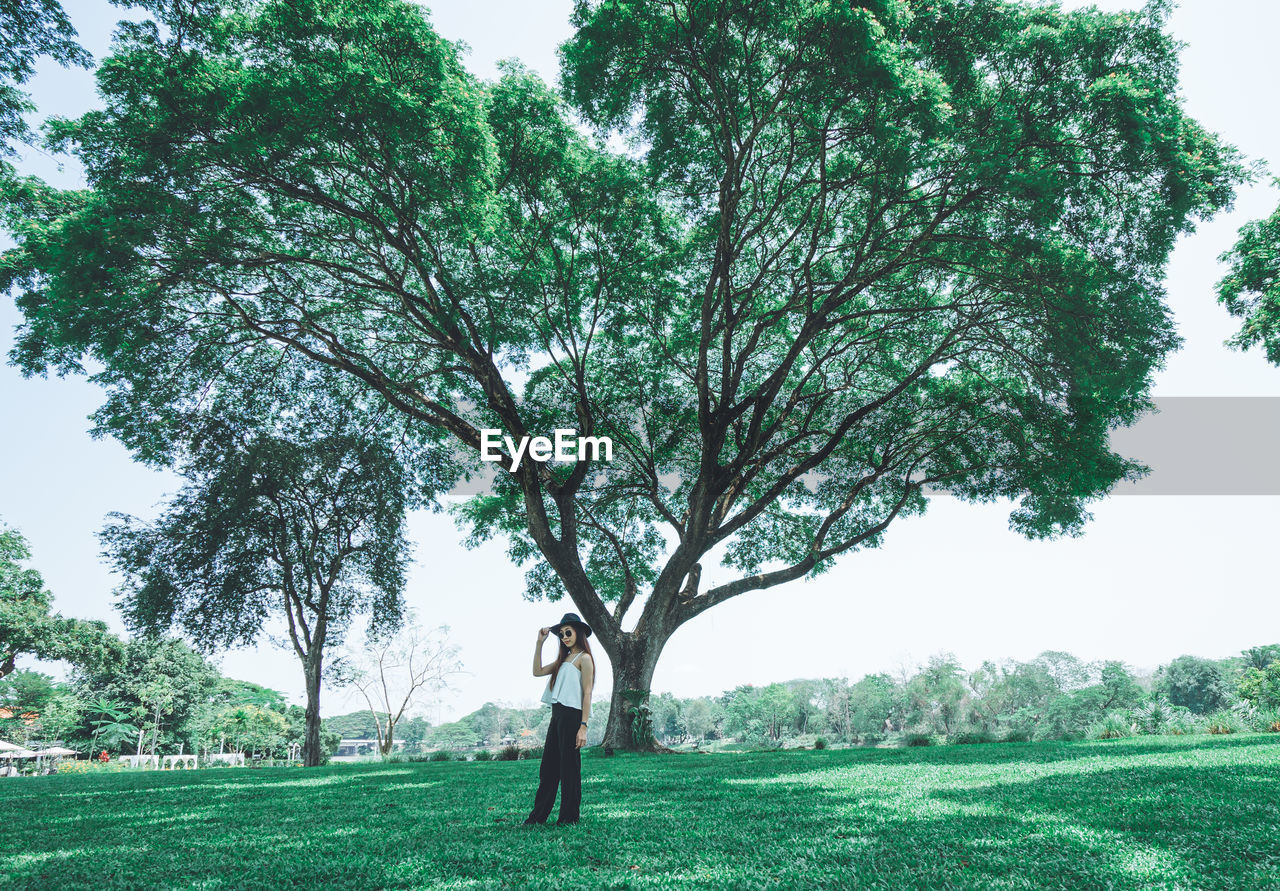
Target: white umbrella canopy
x=18 y=753
x=9 y=747
x=57 y=750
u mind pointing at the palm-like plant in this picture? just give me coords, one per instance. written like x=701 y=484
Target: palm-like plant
x=109 y=727
x=1154 y=717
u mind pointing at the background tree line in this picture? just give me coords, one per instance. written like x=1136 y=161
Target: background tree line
x=1053 y=696
x=162 y=698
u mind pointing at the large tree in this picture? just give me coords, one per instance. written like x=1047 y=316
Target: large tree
x=853 y=252
x=293 y=507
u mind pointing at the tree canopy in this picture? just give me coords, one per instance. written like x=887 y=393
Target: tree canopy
x=294 y=505
x=28 y=625
x=290 y=506
x=1251 y=289
x=853 y=253
x=29 y=29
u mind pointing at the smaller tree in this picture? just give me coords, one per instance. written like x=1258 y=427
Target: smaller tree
x=25 y=697
x=833 y=699
x=777 y=710
x=937 y=693
x=395 y=670
x=873 y=700
x=251 y=729
x=108 y=718
x=158 y=689
x=698 y=718
x=665 y=712
x=415 y=730
x=1260 y=687
x=1194 y=683
x=1120 y=688
x=294 y=506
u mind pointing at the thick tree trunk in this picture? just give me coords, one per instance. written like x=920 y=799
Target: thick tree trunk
x=311 y=754
x=634 y=658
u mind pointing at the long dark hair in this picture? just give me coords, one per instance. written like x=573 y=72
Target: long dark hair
x=564 y=653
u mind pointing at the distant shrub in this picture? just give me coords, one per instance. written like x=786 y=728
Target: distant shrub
x=917 y=739
x=509 y=753
x=483 y=755
x=532 y=754
x=1182 y=723
x=1223 y=722
x=970 y=737
x=1154 y=717
x=1265 y=720
x=820 y=743
x=91 y=765
x=1016 y=736
x=1261 y=686
x=442 y=755
x=1114 y=726
x=870 y=739
x=417 y=757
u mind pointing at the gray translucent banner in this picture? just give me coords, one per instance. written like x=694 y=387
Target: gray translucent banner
x=1205 y=445
x=1194 y=445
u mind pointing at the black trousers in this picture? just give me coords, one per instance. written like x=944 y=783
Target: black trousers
x=561 y=766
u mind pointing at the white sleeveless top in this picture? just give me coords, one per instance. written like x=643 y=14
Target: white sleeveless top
x=568 y=688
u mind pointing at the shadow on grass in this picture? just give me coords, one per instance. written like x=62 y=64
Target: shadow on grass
x=1209 y=824
x=1189 y=812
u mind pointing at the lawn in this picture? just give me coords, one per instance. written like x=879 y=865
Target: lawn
x=1172 y=812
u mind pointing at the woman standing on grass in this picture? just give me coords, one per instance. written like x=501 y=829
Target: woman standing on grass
x=569 y=695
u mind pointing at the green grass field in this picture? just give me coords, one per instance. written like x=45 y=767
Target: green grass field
x=1174 y=812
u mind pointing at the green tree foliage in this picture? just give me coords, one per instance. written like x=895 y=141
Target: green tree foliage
x=160 y=686
x=25 y=690
x=415 y=730
x=1251 y=289
x=234 y=692
x=1261 y=657
x=29 y=29
x=876 y=699
x=294 y=505
x=1194 y=683
x=249 y=729
x=1119 y=688
x=1260 y=687
x=461 y=734
x=28 y=627
x=698 y=718
x=858 y=250
x=937 y=694
x=356 y=725
x=41 y=711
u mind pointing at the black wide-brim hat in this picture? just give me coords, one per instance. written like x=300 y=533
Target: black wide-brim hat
x=572 y=619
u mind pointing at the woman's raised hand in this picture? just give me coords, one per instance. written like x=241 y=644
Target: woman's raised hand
x=542 y=634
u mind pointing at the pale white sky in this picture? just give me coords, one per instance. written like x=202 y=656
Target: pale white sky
x=1153 y=577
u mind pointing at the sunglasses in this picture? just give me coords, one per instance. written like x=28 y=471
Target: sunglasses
x=565 y=632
